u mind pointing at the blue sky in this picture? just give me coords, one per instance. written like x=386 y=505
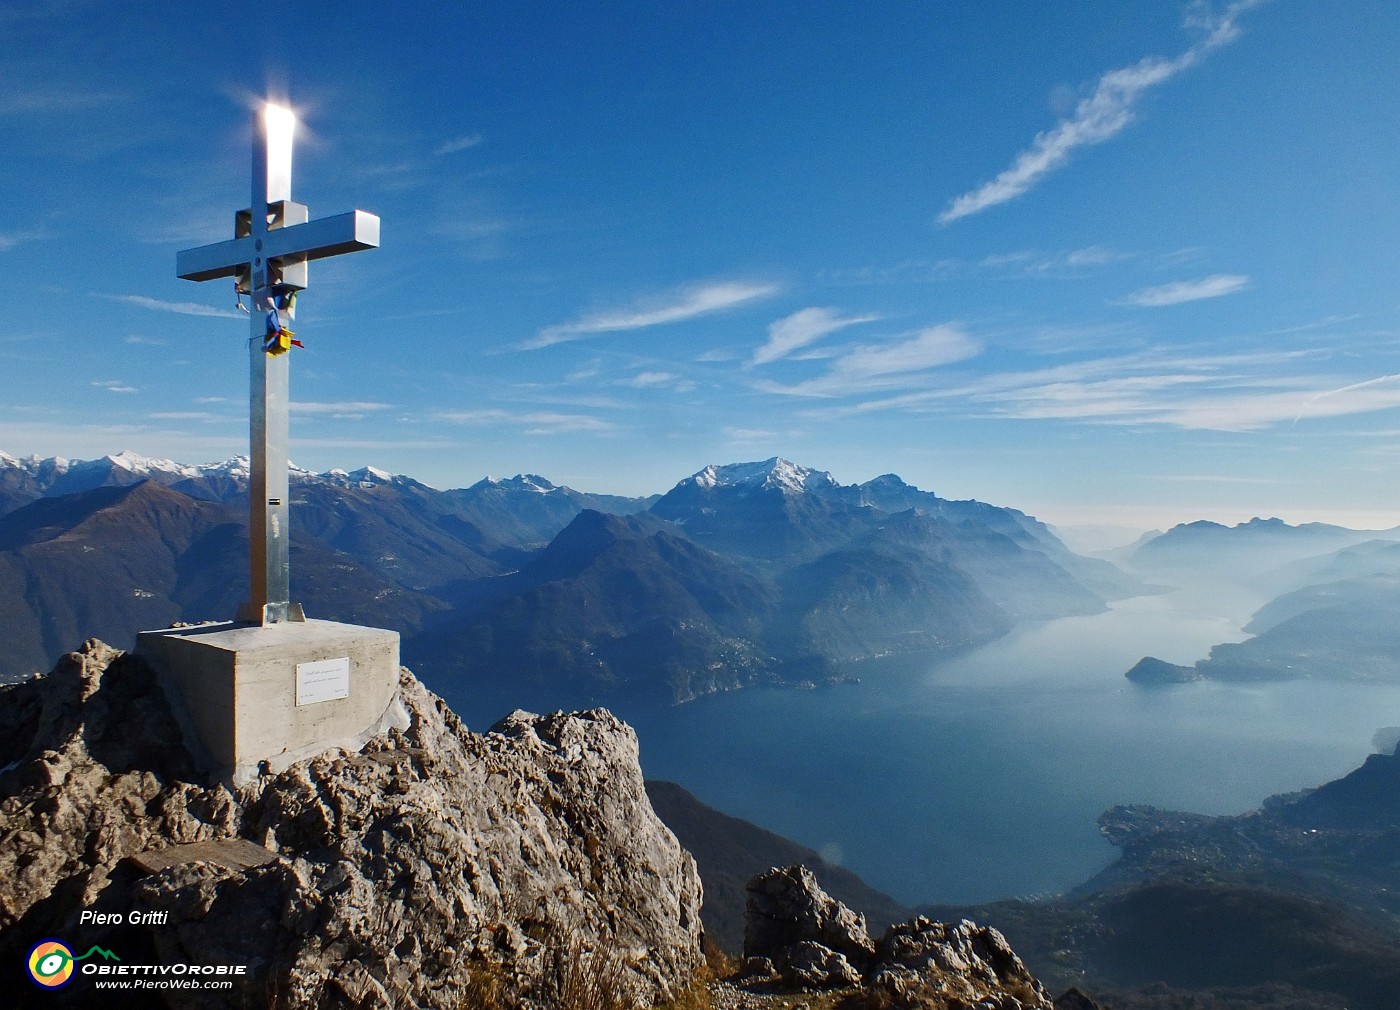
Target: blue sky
x=1104 y=261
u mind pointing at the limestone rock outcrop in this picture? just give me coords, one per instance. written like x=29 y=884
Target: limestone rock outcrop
x=787 y=907
x=799 y=936
x=436 y=868
x=922 y=963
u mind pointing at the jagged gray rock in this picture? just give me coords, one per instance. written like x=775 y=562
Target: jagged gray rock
x=797 y=933
x=786 y=906
x=922 y=963
x=809 y=965
x=434 y=864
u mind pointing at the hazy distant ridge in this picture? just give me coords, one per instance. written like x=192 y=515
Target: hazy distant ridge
x=1334 y=594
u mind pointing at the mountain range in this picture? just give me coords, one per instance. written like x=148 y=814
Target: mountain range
x=1269 y=555
x=1334 y=595
x=751 y=573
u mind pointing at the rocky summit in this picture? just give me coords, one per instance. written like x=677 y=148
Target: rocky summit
x=437 y=868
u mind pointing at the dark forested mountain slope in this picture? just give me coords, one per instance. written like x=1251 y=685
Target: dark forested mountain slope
x=617 y=605
x=117 y=559
x=729 y=852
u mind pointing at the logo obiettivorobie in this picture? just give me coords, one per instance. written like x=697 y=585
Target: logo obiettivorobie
x=51 y=962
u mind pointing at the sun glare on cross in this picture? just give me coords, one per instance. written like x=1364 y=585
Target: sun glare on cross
x=279 y=125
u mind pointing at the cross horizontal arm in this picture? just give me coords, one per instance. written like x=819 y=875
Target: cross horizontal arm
x=209 y=262
x=313 y=240
x=329 y=236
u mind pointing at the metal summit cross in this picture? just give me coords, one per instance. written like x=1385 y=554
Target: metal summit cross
x=267 y=257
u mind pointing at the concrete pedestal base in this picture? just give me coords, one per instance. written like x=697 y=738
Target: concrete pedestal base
x=248 y=695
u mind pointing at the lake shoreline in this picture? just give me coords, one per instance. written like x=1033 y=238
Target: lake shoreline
x=979 y=777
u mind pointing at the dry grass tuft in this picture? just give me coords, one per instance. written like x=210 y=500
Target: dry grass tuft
x=582 y=977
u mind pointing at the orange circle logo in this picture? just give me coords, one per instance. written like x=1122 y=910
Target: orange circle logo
x=51 y=964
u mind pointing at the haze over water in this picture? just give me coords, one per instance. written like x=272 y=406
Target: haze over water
x=981 y=777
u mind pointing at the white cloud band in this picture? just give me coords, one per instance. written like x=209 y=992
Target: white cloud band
x=1100 y=116
x=1188 y=291
x=688 y=304
x=800 y=329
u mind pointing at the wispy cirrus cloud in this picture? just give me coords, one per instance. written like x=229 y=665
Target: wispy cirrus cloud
x=461 y=143
x=1020 y=263
x=934 y=346
x=10 y=239
x=800 y=329
x=358 y=407
x=31 y=101
x=477 y=222
x=750 y=434
x=1227 y=392
x=651 y=380
x=188 y=415
x=537 y=422
x=1187 y=291
x=473 y=229
x=1254 y=412
x=1034 y=263
x=1108 y=109
x=1343 y=391
x=115 y=386
x=895 y=364
x=688 y=304
x=183 y=308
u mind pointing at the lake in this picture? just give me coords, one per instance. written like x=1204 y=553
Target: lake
x=981 y=776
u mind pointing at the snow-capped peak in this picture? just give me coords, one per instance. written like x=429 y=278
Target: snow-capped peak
x=365 y=476
x=770 y=473
x=363 y=473
x=520 y=482
x=234 y=466
x=135 y=463
x=33 y=463
x=128 y=466
x=531 y=483
x=534 y=482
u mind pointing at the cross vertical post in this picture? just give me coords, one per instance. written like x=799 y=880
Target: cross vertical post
x=269 y=588
x=273 y=241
